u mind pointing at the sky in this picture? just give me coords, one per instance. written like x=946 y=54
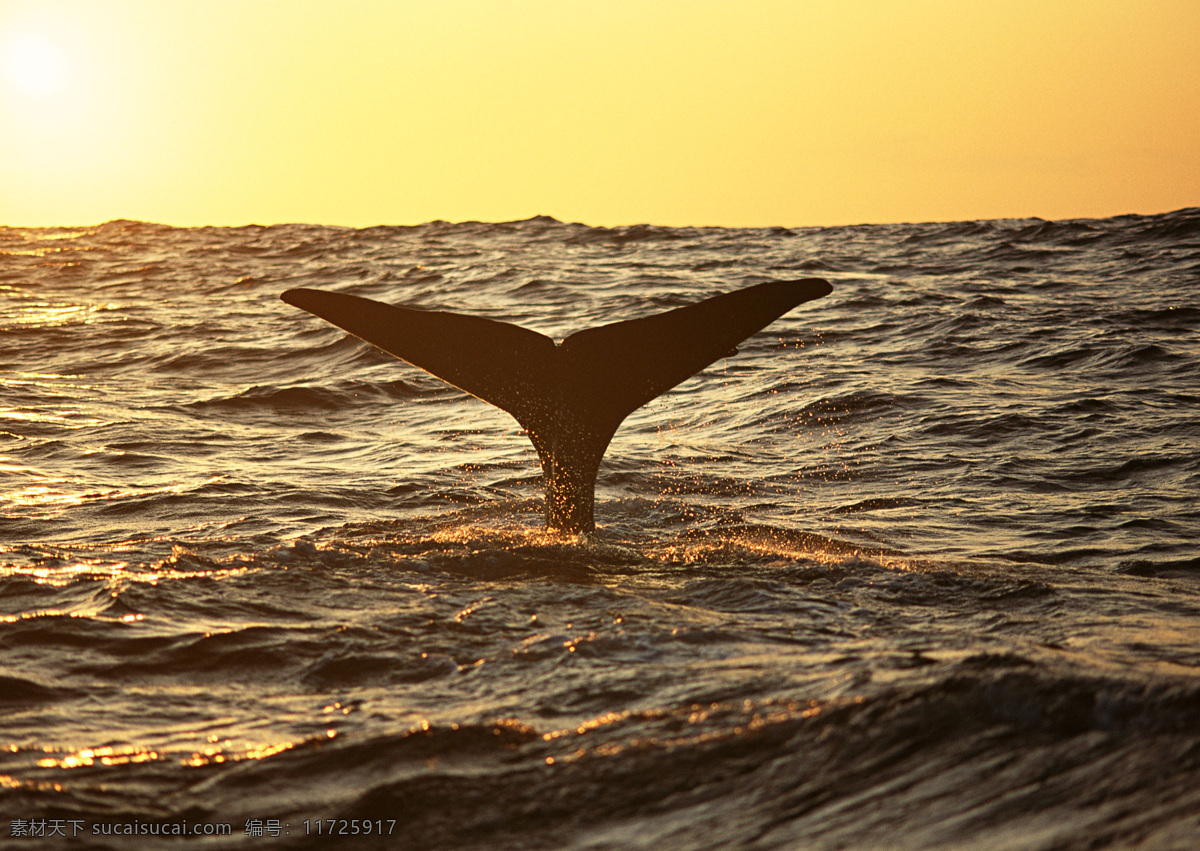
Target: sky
x=698 y=112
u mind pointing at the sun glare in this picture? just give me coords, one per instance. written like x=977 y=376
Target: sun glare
x=35 y=67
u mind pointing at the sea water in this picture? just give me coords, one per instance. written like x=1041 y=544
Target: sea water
x=918 y=567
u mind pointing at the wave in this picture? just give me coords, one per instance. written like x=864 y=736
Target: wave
x=337 y=396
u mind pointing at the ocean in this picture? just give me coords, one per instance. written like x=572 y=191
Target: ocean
x=918 y=567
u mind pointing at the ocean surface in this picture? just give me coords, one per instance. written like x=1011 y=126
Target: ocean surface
x=919 y=567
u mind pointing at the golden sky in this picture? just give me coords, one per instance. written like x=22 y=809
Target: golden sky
x=698 y=112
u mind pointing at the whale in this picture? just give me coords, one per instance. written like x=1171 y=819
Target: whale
x=569 y=397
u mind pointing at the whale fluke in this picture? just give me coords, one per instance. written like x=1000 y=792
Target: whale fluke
x=570 y=397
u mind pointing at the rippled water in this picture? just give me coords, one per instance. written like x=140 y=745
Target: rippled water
x=917 y=567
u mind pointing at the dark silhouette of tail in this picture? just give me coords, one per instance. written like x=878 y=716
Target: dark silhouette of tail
x=570 y=397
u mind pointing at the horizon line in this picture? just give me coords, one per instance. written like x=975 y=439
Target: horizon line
x=554 y=220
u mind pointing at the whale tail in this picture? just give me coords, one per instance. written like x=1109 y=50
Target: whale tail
x=570 y=397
